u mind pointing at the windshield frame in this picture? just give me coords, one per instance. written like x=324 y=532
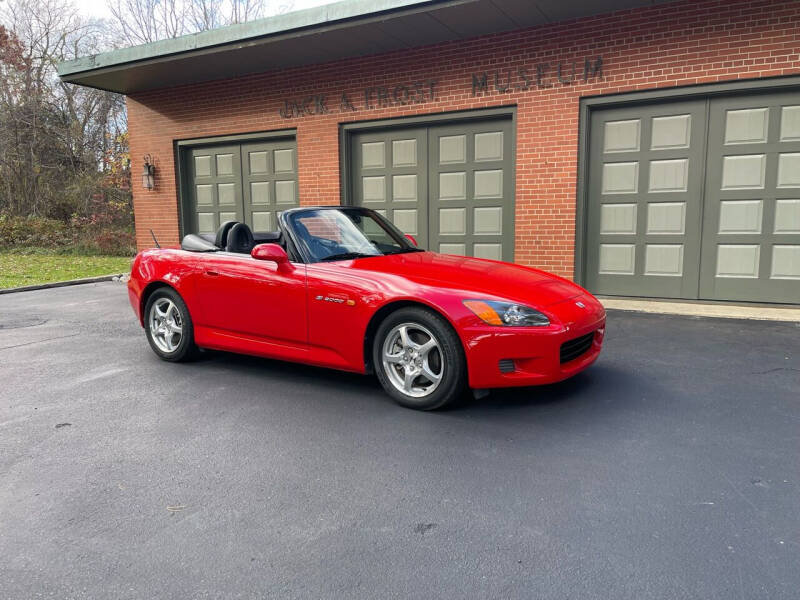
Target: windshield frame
x=287 y=220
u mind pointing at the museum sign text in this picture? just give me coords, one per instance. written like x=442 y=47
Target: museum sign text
x=541 y=75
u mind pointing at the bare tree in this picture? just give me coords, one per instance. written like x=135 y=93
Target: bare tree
x=61 y=144
x=205 y=14
x=54 y=135
x=145 y=21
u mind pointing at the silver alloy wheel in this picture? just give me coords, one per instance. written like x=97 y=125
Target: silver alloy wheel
x=413 y=360
x=166 y=325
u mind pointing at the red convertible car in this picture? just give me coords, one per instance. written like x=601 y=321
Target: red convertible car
x=342 y=287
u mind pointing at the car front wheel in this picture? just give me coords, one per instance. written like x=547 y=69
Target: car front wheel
x=419 y=359
x=168 y=326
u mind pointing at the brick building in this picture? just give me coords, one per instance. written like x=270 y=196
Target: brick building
x=643 y=148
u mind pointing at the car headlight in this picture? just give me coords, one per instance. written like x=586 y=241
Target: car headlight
x=509 y=314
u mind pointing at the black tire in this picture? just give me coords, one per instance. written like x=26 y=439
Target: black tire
x=451 y=363
x=185 y=349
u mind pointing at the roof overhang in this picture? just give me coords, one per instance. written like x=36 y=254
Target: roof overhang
x=342 y=30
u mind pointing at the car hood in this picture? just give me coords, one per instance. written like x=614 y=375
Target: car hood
x=473 y=276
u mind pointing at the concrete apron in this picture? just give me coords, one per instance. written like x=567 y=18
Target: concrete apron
x=698 y=309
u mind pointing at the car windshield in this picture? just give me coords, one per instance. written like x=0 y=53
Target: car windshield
x=342 y=234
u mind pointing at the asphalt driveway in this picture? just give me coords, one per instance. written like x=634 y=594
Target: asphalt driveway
x=668 y=470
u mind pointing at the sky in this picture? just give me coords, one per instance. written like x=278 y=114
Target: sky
x=99 y=8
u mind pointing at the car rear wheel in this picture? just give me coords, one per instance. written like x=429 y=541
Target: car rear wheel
x=419 y=359
x=168 y=326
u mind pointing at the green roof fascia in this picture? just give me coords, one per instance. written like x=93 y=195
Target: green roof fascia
x=241 y=33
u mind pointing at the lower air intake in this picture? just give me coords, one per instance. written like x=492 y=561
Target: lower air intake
x=506 y=365
x=574 y=348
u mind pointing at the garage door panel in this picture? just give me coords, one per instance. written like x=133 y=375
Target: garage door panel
x=286 y=193
x=246 y=182
x=664 y=260
x=390 y=176
x=202 y=164
x=746 y=126
x=671 y=132
x=743 y=172
x=269 y=173
x=668 y=175
x=284 y=161
x=752 y=184
x=622 y=136
x=740 y=216
x=405 y=188
x=205 y=194
x=787 y=216
x=620 y=178
x=214 y=187
x=790 y=123
x=448 y=185
x=789 y=170
x=618 y=219
x=666 y=218
x=225 y=164
x=785 y=261
x=452 y=149
x=453 y=185
x=645 y=183
x=470 y=180
x=258 y=160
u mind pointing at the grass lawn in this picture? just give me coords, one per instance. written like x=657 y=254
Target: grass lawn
x=18 y=269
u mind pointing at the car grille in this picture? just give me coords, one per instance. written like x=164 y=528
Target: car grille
x=506 y=365
x=574 y=348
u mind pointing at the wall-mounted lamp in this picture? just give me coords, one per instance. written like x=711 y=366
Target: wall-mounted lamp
x=148 y=173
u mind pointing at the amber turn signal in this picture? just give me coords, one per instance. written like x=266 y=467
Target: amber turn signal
x=485 y=312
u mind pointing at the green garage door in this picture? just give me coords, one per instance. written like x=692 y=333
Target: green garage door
x=247 y=182
x=751 y=227
x=450 y=186
x=646 y=200
x=696 y=199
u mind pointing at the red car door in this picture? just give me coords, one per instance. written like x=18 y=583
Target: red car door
x=339 y=308
x=252 y=298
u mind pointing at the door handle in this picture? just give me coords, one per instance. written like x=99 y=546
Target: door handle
x=212 y=273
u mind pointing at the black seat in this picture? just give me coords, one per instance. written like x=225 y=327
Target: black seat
x=240 y=239
x=221 y=240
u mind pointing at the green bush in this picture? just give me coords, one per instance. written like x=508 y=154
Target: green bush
x=77 y=236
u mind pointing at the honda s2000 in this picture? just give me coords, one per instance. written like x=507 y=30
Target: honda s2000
x=342 y=287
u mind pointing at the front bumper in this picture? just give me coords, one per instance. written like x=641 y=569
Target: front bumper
x=134 y=297
x=534 y=352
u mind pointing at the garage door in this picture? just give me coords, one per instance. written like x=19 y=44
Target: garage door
x=751 y=228
x=450 y=186
x=696 y=199
x=645 y=200
x=247 y=182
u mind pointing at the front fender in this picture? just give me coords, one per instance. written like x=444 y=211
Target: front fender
x=152 y=268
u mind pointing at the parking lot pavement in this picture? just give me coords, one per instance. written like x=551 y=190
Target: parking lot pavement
x=668 y=470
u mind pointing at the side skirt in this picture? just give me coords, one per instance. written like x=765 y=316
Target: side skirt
x=214 y=339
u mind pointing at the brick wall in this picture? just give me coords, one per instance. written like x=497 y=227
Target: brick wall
x=670 y=45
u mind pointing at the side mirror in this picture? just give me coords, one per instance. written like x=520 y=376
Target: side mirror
x=273 y=253
x=412 y=239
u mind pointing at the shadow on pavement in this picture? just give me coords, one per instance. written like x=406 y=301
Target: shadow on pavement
x=581 y=392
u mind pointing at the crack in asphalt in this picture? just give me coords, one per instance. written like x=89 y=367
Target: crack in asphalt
x=775 y=370
x=60 y=337
x=23 y=323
